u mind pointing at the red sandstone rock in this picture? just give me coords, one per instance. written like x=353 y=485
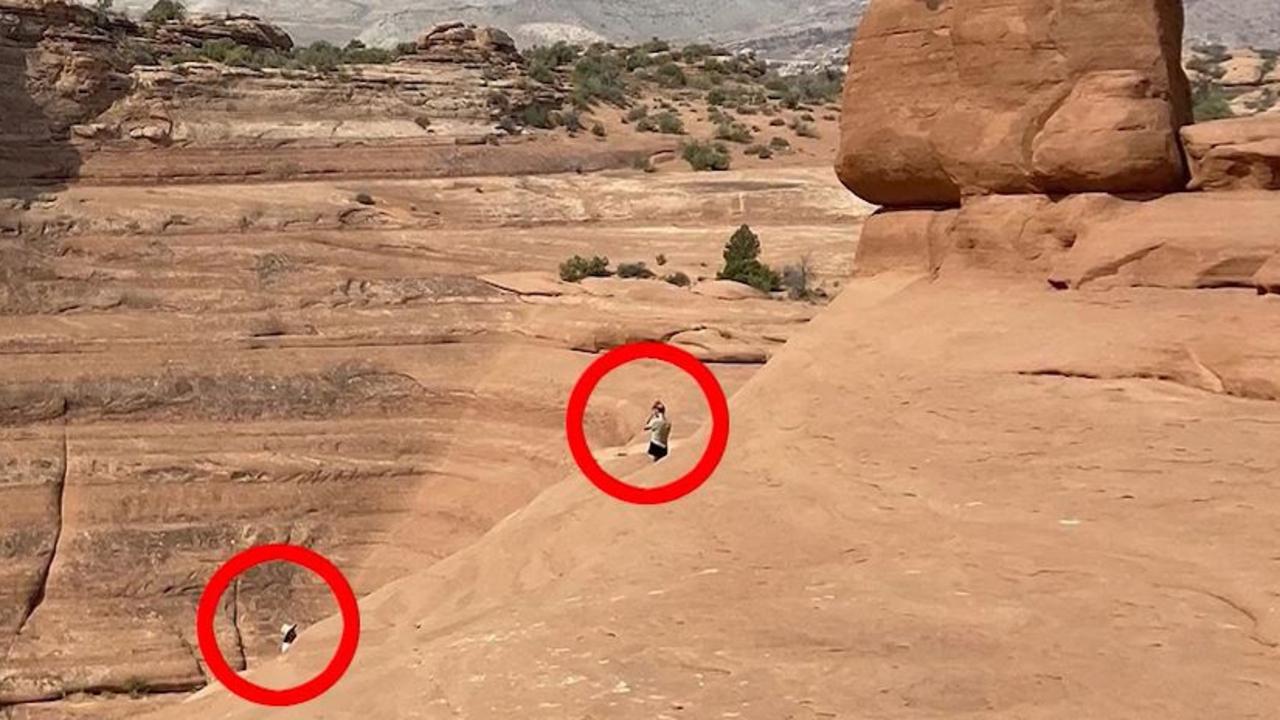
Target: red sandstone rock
x=957 y=97
x=1241 y=153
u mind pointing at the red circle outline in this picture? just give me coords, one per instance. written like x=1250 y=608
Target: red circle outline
x=347 y=606
x=576 y=414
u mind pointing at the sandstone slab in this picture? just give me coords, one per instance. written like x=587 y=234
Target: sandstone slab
x=728 y=290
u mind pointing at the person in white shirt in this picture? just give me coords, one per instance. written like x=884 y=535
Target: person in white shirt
x=659 y=428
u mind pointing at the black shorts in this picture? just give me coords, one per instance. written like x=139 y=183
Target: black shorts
x=656 y=451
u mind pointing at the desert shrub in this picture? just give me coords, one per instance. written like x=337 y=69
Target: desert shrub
x=669 y=75
x=742 y=262
x=778 y=122
x=1209 y=102
x=678 y=279
x=538 y=115
x=637 y=113
x=545 y=60
x=817 y=86
x=779 y=144
x=571 y=120
x=1207 y=66
x=643 y=163
x=804 y=129
x=718 y=116
x=599 y=77
x=733 y=132
x=761 y=151
x=668 y=123
x=135 y=687
x=697 y=52
x=637 y=59
x=578 y=268
x=1214 y=51
x=599 y=130
x=705 y=156
x=1264 y=102
x=717 y=97
x=166 y=11
x=797 y=279
x=635 y=271
x=321 y=56
x=422 y=121
x=655 y=45
x=357 y=53
x=1269 y=59
x=661 y=260
x=364 y=198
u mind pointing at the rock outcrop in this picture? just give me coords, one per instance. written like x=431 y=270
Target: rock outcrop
x=1082 y=198
x=949 y=98
x=463 y=42
x=95 y=96
x=247 y=30
x=59 y=65
x=1241 y=153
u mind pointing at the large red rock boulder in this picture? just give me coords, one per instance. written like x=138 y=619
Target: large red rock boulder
x=947 y=98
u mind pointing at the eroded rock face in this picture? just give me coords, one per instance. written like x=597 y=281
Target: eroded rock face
x=1241 y=153
x=462 y=42
x=247 y=30
x=1179 y=241
x=947 y=98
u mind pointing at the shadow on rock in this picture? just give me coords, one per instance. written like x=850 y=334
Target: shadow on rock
x=35 y=156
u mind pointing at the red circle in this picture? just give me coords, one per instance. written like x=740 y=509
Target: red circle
x=577 y=411
x=248 y=560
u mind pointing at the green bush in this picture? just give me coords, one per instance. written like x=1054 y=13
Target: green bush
x=655 y=46
x=538 y=115
x=599 y=77
x=1209 y=102
x=697 y=52
x=357 y=53
x=166 y=11
x=704 y=156
x=804 y=129
x=734 y=132
x=742 y=262
x=669 y=75
x=818 y=86
x=1207 y=66
x=578 y=268
x=669 y=123
x=635 y=271
x=545 y=60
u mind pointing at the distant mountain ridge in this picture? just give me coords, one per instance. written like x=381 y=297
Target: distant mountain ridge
x=782 y=29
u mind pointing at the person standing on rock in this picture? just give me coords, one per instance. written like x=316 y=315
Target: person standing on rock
x=659 y=428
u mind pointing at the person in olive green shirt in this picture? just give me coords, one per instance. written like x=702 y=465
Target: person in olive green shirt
x=659 y=428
